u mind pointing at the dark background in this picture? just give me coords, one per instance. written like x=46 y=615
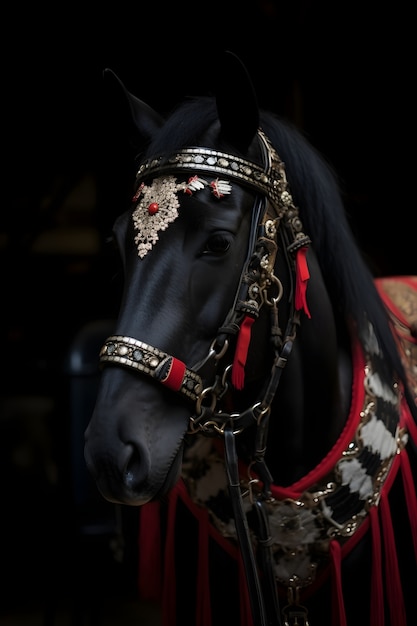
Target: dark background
x=343 y=72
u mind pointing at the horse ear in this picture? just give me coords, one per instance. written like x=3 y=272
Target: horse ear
x=133 y=119
x=237 y=104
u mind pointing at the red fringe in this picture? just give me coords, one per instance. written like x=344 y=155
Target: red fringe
x=377 y=616
x=169 y=605
x=302 y=277
x=410 y=496
x=338 y=605
x=392 y=572
x=149 y=566
x=241 y=353
x=382 y=533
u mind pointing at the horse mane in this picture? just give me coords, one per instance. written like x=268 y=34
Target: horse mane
x=349 y=281
x=316 y=191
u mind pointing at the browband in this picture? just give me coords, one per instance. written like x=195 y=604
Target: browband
x=270 y=180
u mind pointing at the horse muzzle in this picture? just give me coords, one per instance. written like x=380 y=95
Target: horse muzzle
x=134 y=441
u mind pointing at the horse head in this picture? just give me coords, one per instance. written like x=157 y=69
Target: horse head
x=216 y=265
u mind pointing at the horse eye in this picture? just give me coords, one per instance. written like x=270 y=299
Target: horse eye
x=217 y=244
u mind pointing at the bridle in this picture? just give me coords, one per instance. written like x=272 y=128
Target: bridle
x=274 y=214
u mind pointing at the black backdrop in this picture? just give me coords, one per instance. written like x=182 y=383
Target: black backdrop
x=342 y=71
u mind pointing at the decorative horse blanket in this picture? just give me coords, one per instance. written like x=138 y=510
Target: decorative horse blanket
x=315 y=522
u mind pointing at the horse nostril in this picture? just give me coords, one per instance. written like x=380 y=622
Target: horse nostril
x=136 y=470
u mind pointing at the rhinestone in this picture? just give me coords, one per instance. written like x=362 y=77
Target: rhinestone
x=254 y=291
x=270 y=228
x=211 y=160
x=153 y=362
x=110 y=348
x=137 y=355
x=122 y=350
x=198 y=159
x=265 y=261
x=223 y=162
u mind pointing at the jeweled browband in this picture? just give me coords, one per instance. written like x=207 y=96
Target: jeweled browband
x=270 y=180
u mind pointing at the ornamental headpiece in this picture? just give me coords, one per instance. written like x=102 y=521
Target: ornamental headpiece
x=158 y=203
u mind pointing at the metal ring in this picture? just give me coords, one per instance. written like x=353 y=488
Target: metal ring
x=222 y=351
x=263 y=411
x=274 y=301
x=225 y=373
x=201 y=397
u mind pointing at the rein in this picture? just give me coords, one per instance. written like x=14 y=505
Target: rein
x=274 y=214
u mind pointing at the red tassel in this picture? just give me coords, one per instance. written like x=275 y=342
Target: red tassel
x=410 y=496
x=149 y=578
x=393 y=578
x=241 y=353
x=302 y=277
x=377 y=600
x=338 y=605
x=169 y=601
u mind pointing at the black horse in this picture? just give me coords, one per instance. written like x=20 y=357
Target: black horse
x=258 y=394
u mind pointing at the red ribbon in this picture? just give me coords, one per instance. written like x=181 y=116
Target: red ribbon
x=149 y=566
x=241 y=353
x=302 y=277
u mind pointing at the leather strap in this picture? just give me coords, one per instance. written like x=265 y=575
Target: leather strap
x=266 y=562
x=242 y=529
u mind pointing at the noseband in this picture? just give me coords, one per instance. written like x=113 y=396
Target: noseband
x=274 y=214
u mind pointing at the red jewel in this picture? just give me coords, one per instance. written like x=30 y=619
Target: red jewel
x=153 y=208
